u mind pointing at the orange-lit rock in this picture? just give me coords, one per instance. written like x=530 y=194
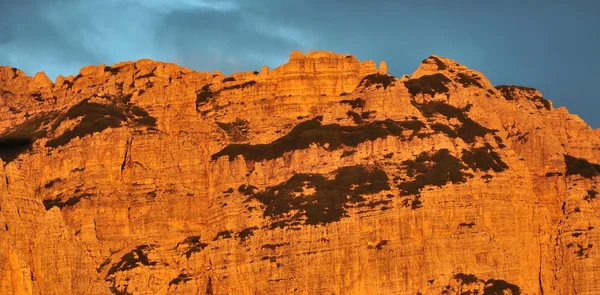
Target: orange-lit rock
x=322 y=176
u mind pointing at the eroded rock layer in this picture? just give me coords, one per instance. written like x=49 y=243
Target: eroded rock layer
x=325 y=175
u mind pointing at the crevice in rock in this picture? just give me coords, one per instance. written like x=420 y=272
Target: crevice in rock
x=127 y=156
x=540 y=272
x=209 y=287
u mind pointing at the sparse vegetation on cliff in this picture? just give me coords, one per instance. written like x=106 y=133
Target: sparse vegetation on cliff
x=98 y=117
x=436 y=169
x=312 y=131
x=468 y=131
x=21 y=138
x=377 y=79
x=355 y=103
x=591 y=195
x=236 y=130
x=508 y=92
x=57 y=202
x=475 y=284
x=484 y=159
x=581 y=166
x=204 y=94
x=467 y=80
x=239 y=86
x=428 y=84
x=151 y=74
x=192 y=245
x=112 y=70
x=138 y=256
x=226 y=234
x=439 y=127
x=246 y=233
x=317 y=199
x=440 y=64
x=181 y=278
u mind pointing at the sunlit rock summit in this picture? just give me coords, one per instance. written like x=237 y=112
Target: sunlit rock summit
x=325 y=175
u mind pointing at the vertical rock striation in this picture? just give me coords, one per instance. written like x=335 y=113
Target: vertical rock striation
x=323 y=175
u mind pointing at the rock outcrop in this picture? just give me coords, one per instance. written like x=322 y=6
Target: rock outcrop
x=325 y=175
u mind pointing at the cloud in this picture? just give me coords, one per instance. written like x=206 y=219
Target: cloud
x=513 y=42
x=232 y=40
x=31 y=37
x=170 y=5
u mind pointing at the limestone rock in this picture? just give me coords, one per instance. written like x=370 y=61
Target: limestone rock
x=383 y=70
x=324 y=175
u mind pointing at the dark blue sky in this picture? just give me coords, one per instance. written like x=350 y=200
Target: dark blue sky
x=550 y=46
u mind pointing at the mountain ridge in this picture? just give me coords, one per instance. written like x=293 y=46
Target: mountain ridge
x=145 y=177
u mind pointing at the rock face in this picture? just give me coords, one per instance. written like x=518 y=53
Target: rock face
x=325 y=175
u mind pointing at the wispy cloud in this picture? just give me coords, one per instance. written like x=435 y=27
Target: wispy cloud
x=170 y=5
x=534 y=46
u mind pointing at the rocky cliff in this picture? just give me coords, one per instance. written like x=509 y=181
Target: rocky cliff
x=325 y=175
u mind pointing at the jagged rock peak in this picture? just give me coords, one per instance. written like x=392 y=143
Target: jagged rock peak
x=41 y=80
x=7 y=73
x=452 y=70
x=330 y=58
